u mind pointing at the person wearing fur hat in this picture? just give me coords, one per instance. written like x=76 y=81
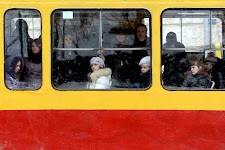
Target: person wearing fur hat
x=144 y=79
x=100 y=77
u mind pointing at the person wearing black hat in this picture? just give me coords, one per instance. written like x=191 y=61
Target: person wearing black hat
x=171 y=41
x=216 y=69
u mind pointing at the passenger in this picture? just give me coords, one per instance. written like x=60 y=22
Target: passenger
x=117 y=61
x=87 y=39
x=121 y=40
x=145 y=76
x=100 y=77
x=216 y=67
x=171 y=41
x=20 y=41
x=12 y=71
x=33 y=64
x=199 y=76
x=175 y=68
x=141 y=40
x=69 y=43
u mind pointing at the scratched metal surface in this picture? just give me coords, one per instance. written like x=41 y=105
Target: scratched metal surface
x=41 y=130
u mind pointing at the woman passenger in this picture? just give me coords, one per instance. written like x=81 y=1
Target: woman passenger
x=141 y=40
x=199 y=76
x=12 y=71
x=33 y=64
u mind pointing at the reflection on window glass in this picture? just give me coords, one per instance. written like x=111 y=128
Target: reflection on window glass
x=101 y=49
x=23 y=50
x=192 y=49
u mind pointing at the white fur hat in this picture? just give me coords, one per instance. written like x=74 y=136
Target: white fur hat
x=145 y=60
x=97 y=60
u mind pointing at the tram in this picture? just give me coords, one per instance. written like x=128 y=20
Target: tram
x=144 y=56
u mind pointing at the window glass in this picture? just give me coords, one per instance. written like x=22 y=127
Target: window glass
x=113 y=41
x=192 y=49
x=23 y=49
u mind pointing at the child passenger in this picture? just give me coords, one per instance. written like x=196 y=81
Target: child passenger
x=12 y=70
x=199 y=76
x=145 y=76
x=100 y=77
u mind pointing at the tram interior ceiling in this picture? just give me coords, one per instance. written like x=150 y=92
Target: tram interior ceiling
x=192 y=35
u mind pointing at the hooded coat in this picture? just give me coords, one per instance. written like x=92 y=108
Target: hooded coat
x=19 y=43
x=100 y=79
x=10 y=64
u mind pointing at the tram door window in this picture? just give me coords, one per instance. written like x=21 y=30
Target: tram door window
x=191 y=39
x=83 y=38
x=23 y=49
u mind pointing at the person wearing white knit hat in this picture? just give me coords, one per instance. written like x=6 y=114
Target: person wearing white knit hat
x=100 y=77
x=145 y=64
x=145 y=76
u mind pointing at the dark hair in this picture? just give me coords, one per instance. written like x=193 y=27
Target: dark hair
x=21 y=24
x=140 y=25
x=38 y=43
x=196 y=63
x=36 y=58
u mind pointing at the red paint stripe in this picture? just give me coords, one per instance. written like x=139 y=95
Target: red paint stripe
x=112 y=130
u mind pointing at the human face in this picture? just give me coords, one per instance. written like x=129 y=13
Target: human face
x=17 y=69
x=144 y=68
x=95 y=67
x=35 y=48
x=120 y=37
x=195 y=69
x=209 y=66
x=85 y=29
x=67 y=41
x=141 y=33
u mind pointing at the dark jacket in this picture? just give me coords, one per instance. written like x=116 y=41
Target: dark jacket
x=137 y=55
x=144 y=80
x=175 y=67
x=218 y=74
x=200 y=80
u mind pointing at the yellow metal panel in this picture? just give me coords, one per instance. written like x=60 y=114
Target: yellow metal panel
x=156 y=98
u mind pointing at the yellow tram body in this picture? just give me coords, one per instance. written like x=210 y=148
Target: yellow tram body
x=154 y=98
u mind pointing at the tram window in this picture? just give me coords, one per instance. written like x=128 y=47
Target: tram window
x=192 y=48
x=115 y=40
x=23 y=49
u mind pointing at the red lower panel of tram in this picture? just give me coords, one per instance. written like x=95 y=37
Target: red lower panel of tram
x=118 y=130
